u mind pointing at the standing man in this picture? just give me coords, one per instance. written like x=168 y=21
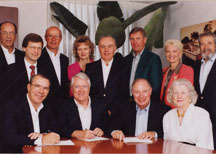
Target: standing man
x=27 y=121
x=205 y=77
x=55 y=64
x=141 y=117
x=8 y=54
x=141 y=63
x=104 y=74
x=21 y=72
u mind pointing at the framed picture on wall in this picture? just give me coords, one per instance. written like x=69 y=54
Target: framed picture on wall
x=189 y=38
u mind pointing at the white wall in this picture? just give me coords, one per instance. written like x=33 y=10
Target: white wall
x=32 y=17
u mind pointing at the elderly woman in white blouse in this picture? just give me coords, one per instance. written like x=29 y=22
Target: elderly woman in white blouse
x=187 y=123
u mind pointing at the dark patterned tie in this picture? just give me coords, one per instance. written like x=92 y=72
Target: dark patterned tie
x=33 y=70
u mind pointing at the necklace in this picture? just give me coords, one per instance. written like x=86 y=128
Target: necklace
x=180 y=114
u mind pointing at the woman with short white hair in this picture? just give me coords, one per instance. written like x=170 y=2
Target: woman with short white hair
x=187 y=123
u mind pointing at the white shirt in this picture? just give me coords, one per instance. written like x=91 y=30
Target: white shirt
x=106 y=70
x=135 y=62
x=196 y=127
x=56 y=63
x=35 y=119
x=10 y=57
x=85 y=114
x=28 y=69
x=204 y=71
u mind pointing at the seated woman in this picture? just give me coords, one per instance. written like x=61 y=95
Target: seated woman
x=83 y=49
x=176 y=70
x=80 y=116
x=187 y=123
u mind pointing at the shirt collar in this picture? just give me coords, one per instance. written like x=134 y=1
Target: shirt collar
x=146 y=109
x=138 y=54
x=109 y=63
x=52 y=53
x=80 y=106
x=212 y=59
x=6 y=50
x=32 y=107
x=28 y=64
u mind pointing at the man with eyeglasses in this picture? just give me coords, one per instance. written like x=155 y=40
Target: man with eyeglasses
x=55 y=65
x=29 y=122
x=8 y=53
x=21 y=72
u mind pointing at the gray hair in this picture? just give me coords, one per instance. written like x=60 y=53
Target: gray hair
x=175 y=43
x=207 y=34
x=192 y=93
x=80 y=75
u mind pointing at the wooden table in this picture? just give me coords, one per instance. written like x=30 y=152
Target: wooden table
x=115 y=146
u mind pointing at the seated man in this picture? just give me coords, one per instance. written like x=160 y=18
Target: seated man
x=27 y=121
x=141 y=117
x=82 y=117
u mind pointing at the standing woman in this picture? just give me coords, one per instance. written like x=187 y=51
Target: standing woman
x=83 y=50
x=176 y=70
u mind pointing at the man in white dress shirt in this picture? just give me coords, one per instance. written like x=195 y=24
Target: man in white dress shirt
x=28 y=121
x=105 y=74
x=205 y=77
x=82 y=117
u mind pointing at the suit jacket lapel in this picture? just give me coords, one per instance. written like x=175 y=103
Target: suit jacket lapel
x=100 y=73
x=211 y=76
x=3 y=62
x=26 y=110
x=142 y=63
x=112 y=73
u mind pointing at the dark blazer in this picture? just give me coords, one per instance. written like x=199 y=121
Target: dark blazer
x=125 y=119
x=69 y=118
x=17 y=124
x=3 y=63
x=149 y=68
x=111 y=92
x=56 y=90
x=18 y=79
x=206 y=99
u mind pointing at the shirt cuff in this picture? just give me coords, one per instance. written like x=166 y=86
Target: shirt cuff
x=38 y=141
x=156 y=135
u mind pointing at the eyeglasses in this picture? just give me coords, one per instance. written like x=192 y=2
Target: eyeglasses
x=37 y=86
x=34 y=48
x=53 y=36
x=8 y=33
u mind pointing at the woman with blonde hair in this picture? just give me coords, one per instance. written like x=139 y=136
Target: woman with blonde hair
x=176 y=70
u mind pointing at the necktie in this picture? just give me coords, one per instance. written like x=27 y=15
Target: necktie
x=33 y=70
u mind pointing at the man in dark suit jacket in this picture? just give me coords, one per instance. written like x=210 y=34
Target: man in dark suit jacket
x=8 y=54
x=141 y=63
x=28 y=122
x=105 y=74
x=82 y=117
x=21 y=72
x=141 y=117
x=55 y=64
x=205 y=77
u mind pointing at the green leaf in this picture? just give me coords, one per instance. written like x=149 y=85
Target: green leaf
x=154 y=29
x=75 y=26
x=142 y=12
x=111 y=26
x=109 y=8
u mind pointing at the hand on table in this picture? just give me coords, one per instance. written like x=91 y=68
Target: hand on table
x=34 y=135
x=118 y=134
x=50 y=138
x=98 y=132
x=147 y=135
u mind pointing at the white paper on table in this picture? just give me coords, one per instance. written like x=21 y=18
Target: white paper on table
x=96 y=139
x=65 y=142
x=135 y=139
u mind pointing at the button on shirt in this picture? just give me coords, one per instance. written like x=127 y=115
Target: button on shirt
x=135 y=62
x=106 y=70
x=28 y=69
x=141 y=120
x=85 y=115
x=35 y=119
x=204 y=71
x=56 y=63
x=10 y=57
